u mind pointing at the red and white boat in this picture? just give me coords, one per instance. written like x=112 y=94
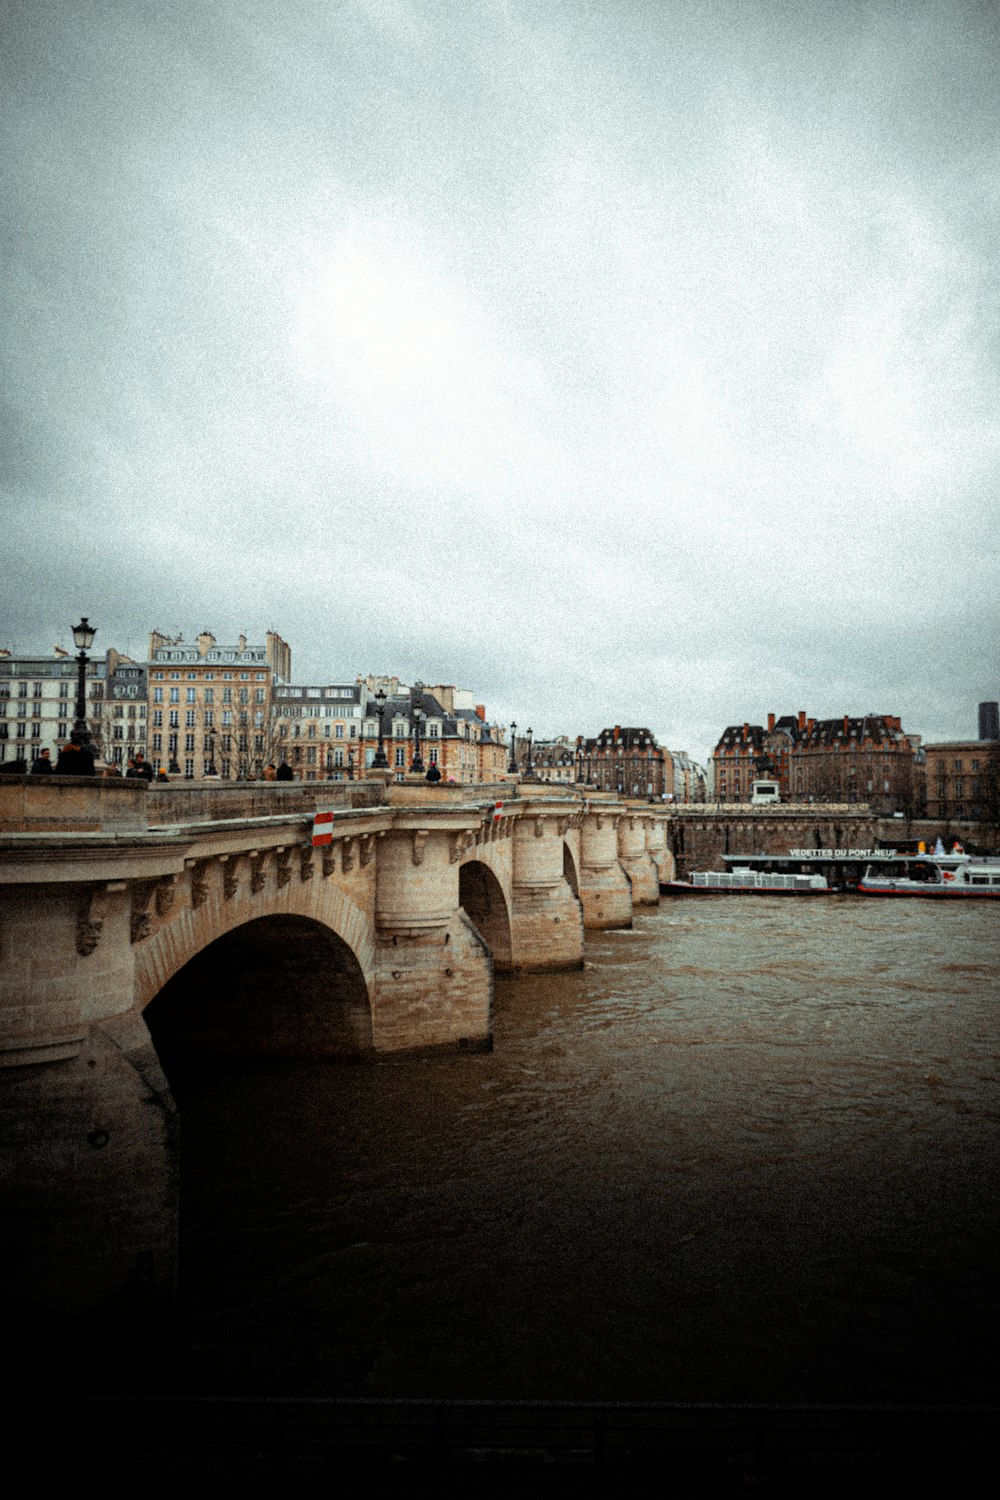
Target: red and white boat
x=955 y=878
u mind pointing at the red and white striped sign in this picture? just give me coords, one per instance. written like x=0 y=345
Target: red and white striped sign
x=322 y=829
x=497 y=811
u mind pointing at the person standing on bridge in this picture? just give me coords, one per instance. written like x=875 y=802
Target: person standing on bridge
x=284 y=772
x=43 y=765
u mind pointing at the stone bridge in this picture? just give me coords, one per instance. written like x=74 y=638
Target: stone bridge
x=137 y=921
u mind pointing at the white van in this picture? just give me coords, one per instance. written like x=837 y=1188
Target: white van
x=765 y=791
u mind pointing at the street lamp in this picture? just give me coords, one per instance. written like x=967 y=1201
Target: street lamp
x=529 y=769
x=380 y=763
x=83 y=636
x=417 y=764
x=512 y=768
x=210 y=737
x=350 y=765
x=579 y=763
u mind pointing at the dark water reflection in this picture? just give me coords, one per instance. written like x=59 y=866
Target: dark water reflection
x=749 y=1153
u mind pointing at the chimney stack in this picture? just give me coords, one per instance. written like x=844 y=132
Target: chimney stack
x=770 y=723
x=802 y=718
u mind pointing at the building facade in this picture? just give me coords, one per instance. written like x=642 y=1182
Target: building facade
x=209 y=706
x=318 y=731
x=963 y=781
x=628 y=760
x=865 y=759
x=38 y=702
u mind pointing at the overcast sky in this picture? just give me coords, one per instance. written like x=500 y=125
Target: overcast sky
x=627 y=361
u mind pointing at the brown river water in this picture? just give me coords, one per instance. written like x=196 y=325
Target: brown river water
x=750 y=1152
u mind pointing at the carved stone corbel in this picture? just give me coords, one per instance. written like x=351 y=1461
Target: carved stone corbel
x=305 y=864
x=257 y=877
x=282 y=858
x=539 y=828
x=166 y=890
x=139 y=922
x=198 y=868
x=456 y=847
x=367 y=843
x=347 y=855
x=92 y=913
x=230 y=875
x=563 y=825
x=329 y=860
x=420 y=838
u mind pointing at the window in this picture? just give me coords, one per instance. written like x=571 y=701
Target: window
x=258 y=696
x=175 y=695
x=190 y=695
x=189 y=717
x=400 y=755
x=36 y=691
x=189 y=742
x=210 y=695
x=209 y=718
x=36 y=731
x=158 y=717
x=175 y=718
x=227 y=695
x=338 y=757
x=189 y=769
x=157 y=695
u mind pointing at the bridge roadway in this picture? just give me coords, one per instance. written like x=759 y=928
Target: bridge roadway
x=135 y=920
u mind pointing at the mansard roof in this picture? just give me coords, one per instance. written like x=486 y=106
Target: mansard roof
x=628 y=737
x=750 y=735
x=871 y=727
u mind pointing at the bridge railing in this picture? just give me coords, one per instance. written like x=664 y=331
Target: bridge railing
x=208 y=802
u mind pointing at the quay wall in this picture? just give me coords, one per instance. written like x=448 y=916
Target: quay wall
x=699 y=837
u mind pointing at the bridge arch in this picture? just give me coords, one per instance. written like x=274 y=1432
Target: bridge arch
x=279 y=984
x=481 y=896
x=310 y=935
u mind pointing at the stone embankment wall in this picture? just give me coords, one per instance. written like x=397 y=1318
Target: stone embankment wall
x=698 y=837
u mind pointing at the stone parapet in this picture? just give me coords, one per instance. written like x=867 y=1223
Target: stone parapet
x=71 y=803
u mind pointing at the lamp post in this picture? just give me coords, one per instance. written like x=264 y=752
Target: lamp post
x=350 y=765
x=83 y=636
x=380 y=763
x=529 y=769
x=210 y=747
x=579 y=763
x=512 y=768
x=417 y=764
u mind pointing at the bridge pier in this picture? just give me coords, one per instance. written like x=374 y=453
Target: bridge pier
x=636 y=860
x=605 y=889
x=434 y=972
x=546 y=918
x=88 y=1128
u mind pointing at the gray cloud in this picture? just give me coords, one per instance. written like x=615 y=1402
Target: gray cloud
x=631 y=362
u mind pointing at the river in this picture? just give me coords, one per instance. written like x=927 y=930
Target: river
x=750 y=1152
